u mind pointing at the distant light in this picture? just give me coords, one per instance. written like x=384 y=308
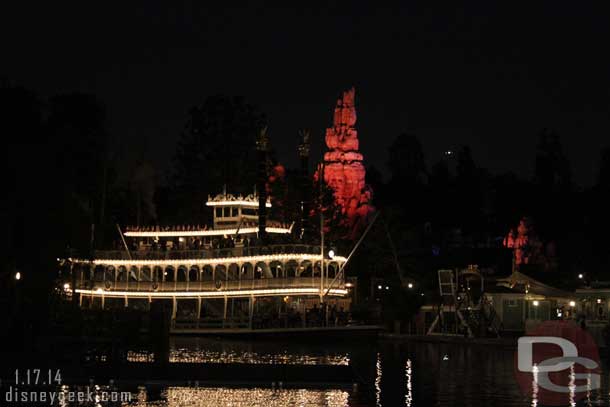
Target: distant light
x=165 y=273
x=599 y=300
x=446 y=357
x=331 y=254
x=572 y=303
x=422 y=294
x=580 y=276
x=410 y=285
x=536 y=303
x=448 y=153
x=379 y=287
x=181 y=239
x=17 y=276
x=348 y=285
x=66 y=286
x=387 y=287
x=559 y=313
x=99 y=290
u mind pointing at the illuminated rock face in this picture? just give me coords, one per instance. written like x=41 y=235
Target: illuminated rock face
x=525 y=243
x=343 y=168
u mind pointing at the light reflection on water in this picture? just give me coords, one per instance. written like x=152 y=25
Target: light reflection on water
x=378 y=381
x=408 y=378
x=207 y=356
x=185 y=355
x=207 y=396
x=394 y=375
x=213 y=350
x=181 y=396
x=535 y=387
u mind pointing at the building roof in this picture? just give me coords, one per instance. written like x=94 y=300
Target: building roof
x=518 y=282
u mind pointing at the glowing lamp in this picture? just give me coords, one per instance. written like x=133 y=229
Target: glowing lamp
x=599 y=300
x=536 y=303
x=410 y=285
x=379 y=287
x=580 y=276
x=331 y=254
x=66 y=286
x=572 y=303
x=17 y=276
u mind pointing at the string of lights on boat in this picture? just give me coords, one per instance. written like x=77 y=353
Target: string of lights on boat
x=237 y=202
x=209 y=294
x=210 y=232
x=219 y=260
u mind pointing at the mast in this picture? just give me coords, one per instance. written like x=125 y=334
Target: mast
x=262 y=146
x=304 y=147
x=321 y=180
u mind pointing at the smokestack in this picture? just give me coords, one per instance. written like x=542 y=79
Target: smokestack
x=262 y=146
x=305 y=183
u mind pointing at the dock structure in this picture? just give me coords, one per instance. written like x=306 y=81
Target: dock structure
x=463 y=308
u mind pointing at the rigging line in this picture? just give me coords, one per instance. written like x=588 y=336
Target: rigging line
x=395 y=255
x=123 y=239
x=340 y=272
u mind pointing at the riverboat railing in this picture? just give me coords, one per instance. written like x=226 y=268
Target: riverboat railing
x=244 y=251
x=208 y=286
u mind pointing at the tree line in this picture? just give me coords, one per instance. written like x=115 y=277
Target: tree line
x=63 y=176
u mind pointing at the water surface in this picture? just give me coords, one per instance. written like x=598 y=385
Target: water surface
x=394 y=374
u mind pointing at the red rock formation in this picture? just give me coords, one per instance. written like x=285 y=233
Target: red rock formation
x=343 y=168
x=525 y=243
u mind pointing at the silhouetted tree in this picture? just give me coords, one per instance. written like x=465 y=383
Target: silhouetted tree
x=406 y=161
x=603 y=177
x=217 y=148
x=552 y=169
x=469 y=197
x=374 y=178
x=323 y=201
x=76 y=124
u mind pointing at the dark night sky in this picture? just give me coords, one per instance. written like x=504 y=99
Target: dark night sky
x=487 y=75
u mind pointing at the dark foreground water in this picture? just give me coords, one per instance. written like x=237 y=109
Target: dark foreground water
x=395 y=374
